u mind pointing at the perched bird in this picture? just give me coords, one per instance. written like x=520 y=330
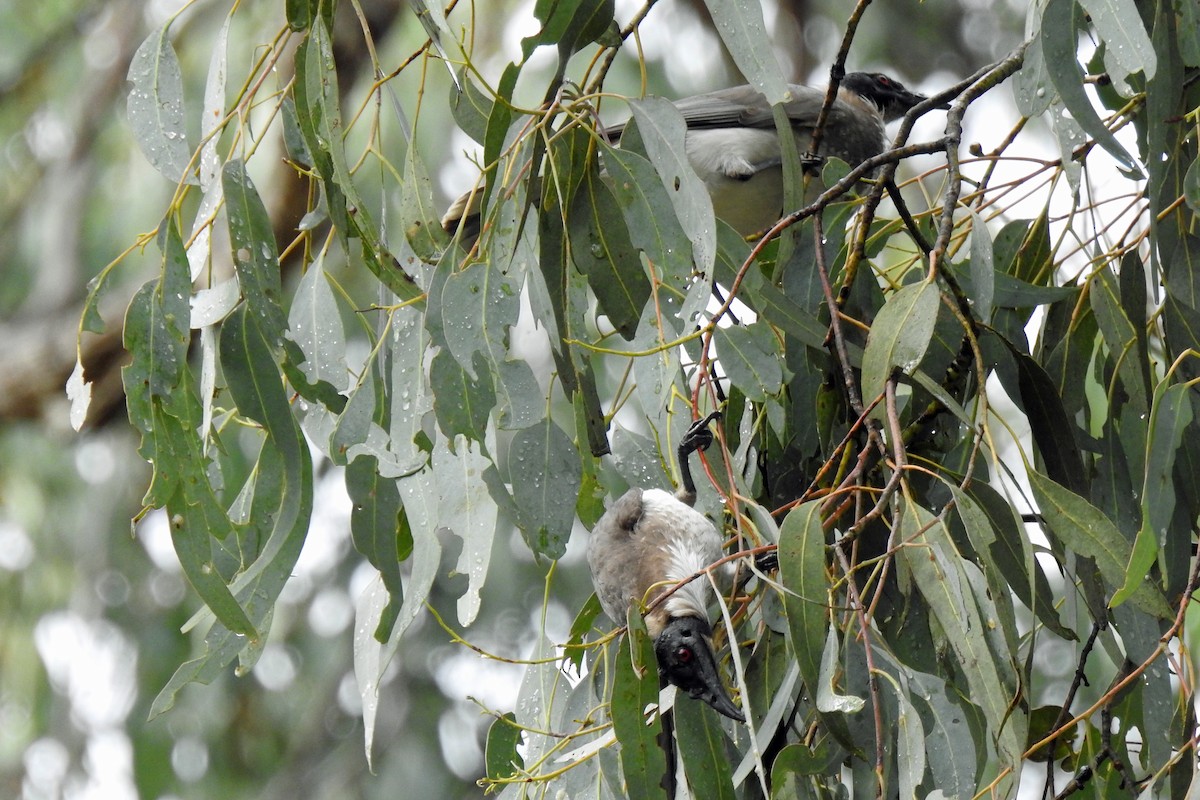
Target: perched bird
x=647 y=541
x=732 y=144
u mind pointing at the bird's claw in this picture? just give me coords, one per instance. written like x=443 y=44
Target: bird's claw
x=767 y=562
x=698 y=436
x=811 y=160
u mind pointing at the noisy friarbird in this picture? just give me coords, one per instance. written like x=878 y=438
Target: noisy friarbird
x=732 y=144
x=648 y=540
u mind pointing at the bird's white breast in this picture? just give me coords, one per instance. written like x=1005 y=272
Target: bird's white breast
x=692 y=544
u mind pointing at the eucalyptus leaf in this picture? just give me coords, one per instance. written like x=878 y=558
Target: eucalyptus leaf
x=899 y=335
x=466 y=508
x=156 y=107
x=752 y=359
x=1084 y=529
x=546 y=476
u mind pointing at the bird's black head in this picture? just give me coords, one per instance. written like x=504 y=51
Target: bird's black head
x=685 y=659
x=886 y=94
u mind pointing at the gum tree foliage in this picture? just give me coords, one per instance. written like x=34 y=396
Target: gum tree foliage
x=973 y=461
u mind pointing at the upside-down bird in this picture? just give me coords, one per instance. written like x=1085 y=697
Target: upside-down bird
x=732 y=144
x=646 y=542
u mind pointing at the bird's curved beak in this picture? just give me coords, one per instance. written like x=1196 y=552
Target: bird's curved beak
x=685 y=658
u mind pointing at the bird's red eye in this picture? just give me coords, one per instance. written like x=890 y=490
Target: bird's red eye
x=683 y=654
x=882 y=80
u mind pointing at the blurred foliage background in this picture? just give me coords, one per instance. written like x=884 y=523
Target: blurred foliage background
x=92 y=608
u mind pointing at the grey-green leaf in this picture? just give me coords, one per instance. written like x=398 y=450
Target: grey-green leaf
x=546 y=475
x=478 y=306
x=634 y=688
x=1059 y=44
x=155 y=107
x=1128 y=47
x=315 y=324
x=938 y=573
x=899 y=335
x=662 y=130
x=740 y=24
x=466 y=507
x=255 y=254
x=752 y=359
x=1087 y=531
x=802 y=571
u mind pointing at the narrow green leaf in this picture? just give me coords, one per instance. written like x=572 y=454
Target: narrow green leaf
x=1128 y=49
x=470 y=106
x=545 y=472
x=315 y=324
x=371 y=658
x=319 y=116
x=1171 y=418
x=155 y=107
x=601 y=250
x=938 y=575
x=741 y=27
x=479 y=304
x=983 y=273
x=1011 y=553
x=1188 y=32
x=466 y=507
x=1121 y=337
x=420 y=218
x=949 y=743
x=397 y=447
x=752 y=359
x=1083 y=528
x=911 y=753
x=375 y=530
x=569 y=24
x=1032 y=87
x=702 y=746
x=156 y=335
x=642 y=760
x=255 y=254
x=649 y=215
x=574 y=650
x=1141 y=558
x=258 y=587
x=519 y=396
x=502 y=758
x=1059 y=44
x=899 y=335
x=258 y=391
x=462 y=405
x=662 y=130
x=196 y=519
x=1191 y=186
x=802 y=572
x=986 y=545
x=1053 y=430
x=299 y=13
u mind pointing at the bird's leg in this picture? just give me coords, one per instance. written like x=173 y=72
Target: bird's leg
x=909 y=222
x=697 y=437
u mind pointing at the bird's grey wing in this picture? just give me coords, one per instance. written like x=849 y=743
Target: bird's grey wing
x=740 y=107
x=736 y=106
x=746 y=107
x=612 y=554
